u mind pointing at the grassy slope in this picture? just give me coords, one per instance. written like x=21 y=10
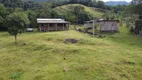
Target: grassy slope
x=87 y=9
x=45 y=56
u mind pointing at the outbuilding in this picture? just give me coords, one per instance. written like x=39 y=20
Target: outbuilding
x=46 y=25
x=104 y=25
x=109 y=25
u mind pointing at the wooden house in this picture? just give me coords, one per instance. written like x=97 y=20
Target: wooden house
x=109 y=25
x=46 y=25
x=105 y=25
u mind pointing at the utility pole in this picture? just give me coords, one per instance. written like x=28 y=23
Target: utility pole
x=93 y=26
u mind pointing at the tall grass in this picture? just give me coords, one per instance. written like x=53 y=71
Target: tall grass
x=45 y=56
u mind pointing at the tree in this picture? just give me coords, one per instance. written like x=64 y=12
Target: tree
x=109 y=15
x=45 y=11
x=54 y=14
x=101 y=4
x=12 y=3
x=32 y=5
x=32 y=18
x=81 y=14
x=136 y=7
x=3 y=14
x=17 y=23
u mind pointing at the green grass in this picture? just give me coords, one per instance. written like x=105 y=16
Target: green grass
x=45 y=56
x=90 y=10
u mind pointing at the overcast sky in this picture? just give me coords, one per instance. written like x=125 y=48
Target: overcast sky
x=117 y=0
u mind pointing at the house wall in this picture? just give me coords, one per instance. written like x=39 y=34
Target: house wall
x=138 y=26
x=53 y=27
x=108 y=26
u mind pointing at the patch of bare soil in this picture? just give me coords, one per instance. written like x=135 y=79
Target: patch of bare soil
x=71 y=40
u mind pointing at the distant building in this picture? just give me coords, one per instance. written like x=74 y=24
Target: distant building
x=109 y=25
x=138 y=26
x=46 y=25
x=105 y=25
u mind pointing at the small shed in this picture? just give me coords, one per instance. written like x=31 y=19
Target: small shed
x=46 y=25
x=109 y=25
x=105 y=25
x=89 y=24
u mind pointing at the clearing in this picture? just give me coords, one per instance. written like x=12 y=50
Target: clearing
x=45 y=56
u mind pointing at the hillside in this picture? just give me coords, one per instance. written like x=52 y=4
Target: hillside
x=67 y=8
x=115 y=3
x=37 y=0
x=45 y=56
x=41 y=0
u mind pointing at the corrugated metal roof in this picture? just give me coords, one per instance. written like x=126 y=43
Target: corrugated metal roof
x=109 y=21
x=101 y=20
x=46 y=20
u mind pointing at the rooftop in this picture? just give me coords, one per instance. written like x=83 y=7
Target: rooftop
x=101 y=20
x=48 y=20
x=109 y=21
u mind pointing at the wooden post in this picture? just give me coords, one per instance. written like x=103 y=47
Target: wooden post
x=56 y=26
x=48 y=27
x=68 y=26
x=63 y=26
x=39 y=27
x=93 y=27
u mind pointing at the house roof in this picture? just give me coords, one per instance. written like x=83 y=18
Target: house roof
x=101 y=20
x=109 y=21
x=47 y=20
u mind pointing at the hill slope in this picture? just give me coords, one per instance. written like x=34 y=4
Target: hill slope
x=41 y=0
x=115 y=3
x=45 y=56
x=66 y=9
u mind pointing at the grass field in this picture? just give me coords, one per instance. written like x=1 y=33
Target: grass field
x=90 y=10
x=45 y=56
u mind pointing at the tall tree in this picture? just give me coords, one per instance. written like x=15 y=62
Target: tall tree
x=32 y=18
x=32 y=5
x=12 y=3
x=17 y=23
x=136 y=7
x=2 y=14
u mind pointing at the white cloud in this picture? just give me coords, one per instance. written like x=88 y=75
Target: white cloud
x=117 y=0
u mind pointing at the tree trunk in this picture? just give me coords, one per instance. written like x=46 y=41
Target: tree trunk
x=15 y=39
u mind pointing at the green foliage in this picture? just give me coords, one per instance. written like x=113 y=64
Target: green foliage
x=2 y=14
x=17 y=23
x=45 y=56
x=80 y=14
x=91 y=3
x=32 y=5
x=101 y=4
x=109 y=16
x=54 y=14
x=137 y=9
x=32 y=18
x=77 y=13
x=16 y=75
x=45 y=11
x=12 y=3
